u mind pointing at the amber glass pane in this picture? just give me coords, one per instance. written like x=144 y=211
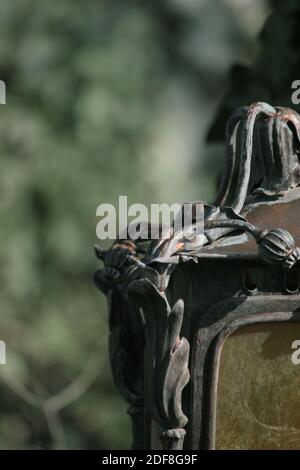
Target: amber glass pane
x=258 y=400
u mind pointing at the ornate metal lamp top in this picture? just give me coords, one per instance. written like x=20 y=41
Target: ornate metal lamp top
x=262 y=168
x=262 y=171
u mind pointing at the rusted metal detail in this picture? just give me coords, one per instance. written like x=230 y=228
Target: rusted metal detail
x=172 y=301
x=276 y=246
x=130 y=285
x=126 y=339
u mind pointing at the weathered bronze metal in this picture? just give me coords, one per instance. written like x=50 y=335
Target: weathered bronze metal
x=172 y=305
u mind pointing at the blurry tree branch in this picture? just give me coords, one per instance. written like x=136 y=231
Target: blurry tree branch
x=54 y=404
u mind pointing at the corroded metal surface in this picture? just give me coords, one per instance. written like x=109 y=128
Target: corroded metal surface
x=285 y=213
x=172 y=304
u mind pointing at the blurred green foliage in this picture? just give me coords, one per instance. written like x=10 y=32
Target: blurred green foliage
x=103 y=99
x=275 y=68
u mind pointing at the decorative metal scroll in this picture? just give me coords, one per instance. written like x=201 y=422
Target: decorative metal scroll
x=166 y=360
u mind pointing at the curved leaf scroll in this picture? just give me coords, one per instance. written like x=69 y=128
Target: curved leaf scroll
x=166 y=359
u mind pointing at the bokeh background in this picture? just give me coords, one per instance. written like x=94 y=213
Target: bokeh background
x=106 y=98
